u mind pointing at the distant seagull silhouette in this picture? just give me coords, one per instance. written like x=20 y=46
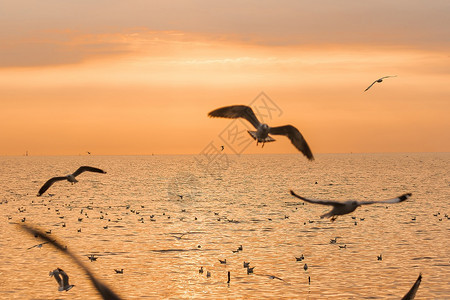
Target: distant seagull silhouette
x=380 y=257
x=342 y=208
x=379 y=80
x=412 y=292
x=179 y=237
x=223 y=261
x=222 y=148
x=261 y=135
x=271 y=276
x=64 y=283
x=118 y=271
x=70 y=177
x=38 y=245
x=92 y=257
x=104 y=290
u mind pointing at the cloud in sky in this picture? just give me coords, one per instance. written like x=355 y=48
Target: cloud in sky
x=57 y=32
x=130 y=68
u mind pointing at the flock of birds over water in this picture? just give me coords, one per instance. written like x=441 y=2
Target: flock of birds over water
x=262 y=135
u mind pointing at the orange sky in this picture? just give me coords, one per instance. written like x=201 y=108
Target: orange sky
x=141 y=78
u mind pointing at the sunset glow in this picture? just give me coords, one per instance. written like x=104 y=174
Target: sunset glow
x=136 y=87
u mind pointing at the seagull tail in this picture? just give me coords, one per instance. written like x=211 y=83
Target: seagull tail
x=266 y=140
x=252 y=134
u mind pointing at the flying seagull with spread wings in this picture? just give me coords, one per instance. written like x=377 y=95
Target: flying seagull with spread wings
x=64 y=283
x=343 y=208
x=379 y=80
x=70 y=178
x=261 y=135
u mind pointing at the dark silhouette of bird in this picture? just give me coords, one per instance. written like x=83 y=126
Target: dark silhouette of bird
x=342 y=208
x=261 y=135
x=64 y=283
x=379 y=81
x=70 y=178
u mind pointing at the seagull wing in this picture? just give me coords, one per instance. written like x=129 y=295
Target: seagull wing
x=387 y=77
x=412 y=292
x=103 y=290
x=49 y=184
x=296 y=138
x=37 y=245
x=58 y=279
x=234 y=112
x=323 y=202
x=87 y=169
x=371 y=85
x=394 y=200
x=65 y=277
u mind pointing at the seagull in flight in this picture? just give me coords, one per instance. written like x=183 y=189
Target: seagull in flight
x=38 y=245
x=379 y=80
x=342 y=208
x=261 y=135
x=70 y=178
x=64 y=283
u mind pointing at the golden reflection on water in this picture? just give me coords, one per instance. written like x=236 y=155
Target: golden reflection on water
x=247 y=204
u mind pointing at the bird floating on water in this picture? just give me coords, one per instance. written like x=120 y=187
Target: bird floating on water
x=64 y=283
x=300 y=258
x=118 y=271
x=342 y=208
x=70 y=178
x=92 y=257
x=379 y=81
x=261 y=135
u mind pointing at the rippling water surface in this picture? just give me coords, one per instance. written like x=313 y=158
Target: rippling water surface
x=246 y=204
